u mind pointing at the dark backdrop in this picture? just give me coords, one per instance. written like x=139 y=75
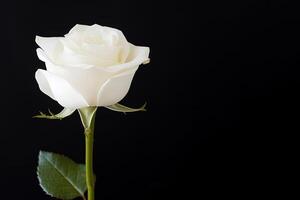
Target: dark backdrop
x=222 y=91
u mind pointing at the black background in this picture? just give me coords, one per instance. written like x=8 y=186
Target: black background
x=222 y=91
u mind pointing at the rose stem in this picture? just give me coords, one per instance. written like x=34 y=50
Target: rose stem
x=89 y=140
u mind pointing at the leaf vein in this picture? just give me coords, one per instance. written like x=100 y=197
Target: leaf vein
x=61 y=173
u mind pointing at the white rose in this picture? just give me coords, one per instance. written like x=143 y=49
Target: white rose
x=89 y=66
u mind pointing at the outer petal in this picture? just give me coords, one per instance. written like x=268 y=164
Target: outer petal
x=59 y=90
x=86 y=81
x=115 y=89
x=49 y=44
x=43 y=84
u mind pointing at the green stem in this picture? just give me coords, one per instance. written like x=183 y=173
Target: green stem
x=89 y=140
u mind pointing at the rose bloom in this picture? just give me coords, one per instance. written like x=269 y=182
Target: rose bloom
x=89 y=66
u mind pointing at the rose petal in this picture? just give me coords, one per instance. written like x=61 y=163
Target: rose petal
x=86 y=81
x=124 y=44
x=54 y=67
x=76 y=33
x=59 y=90
x=115 y=38
x=137 y=56
x=43 y=84
x=50 y=45
x=114 y=89
x=91 y=77
x=78 y=28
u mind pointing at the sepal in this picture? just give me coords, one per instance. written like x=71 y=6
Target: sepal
x=87 y=115
x=64 y=113
x=121 y=108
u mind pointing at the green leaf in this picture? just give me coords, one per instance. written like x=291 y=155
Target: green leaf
x=87 y=114
x=121 y=108
x=61 y=177
x=64 y=113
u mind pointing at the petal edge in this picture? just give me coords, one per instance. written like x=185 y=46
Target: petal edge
x=61 y=90
x=114 y=89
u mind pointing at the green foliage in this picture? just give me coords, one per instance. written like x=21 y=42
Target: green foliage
x=61 y=177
